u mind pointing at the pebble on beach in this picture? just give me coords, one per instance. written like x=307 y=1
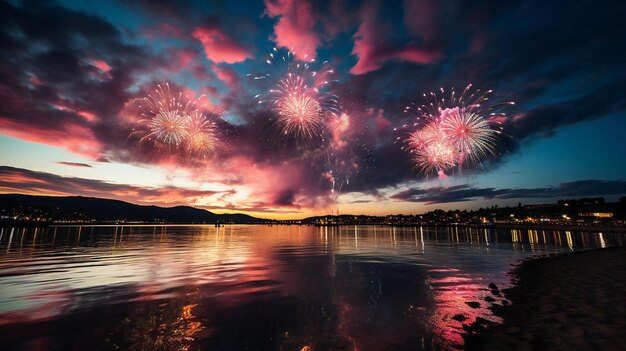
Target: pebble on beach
x=459 y=318
x=473 y=304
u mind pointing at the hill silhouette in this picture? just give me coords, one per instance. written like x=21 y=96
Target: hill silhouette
x=89 y=208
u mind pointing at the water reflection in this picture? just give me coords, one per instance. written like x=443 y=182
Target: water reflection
x=257 y=287
x=168 y=325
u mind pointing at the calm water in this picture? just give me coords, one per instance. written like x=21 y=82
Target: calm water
x=256 y=287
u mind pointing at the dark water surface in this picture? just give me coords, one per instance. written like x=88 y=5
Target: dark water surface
x=256 y=287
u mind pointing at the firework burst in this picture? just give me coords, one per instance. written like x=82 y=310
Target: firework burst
x=469 y=134
x=297 y=92
x=177 y=123
x=202 y=137
x=166 y=117
x=453 y=130
x=433 y=157
x=168 y=128
x=299 y=114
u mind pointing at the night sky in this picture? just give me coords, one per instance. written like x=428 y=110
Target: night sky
x=71 y=73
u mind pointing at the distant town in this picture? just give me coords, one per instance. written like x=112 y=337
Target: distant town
x=565 y=213
x=25 y=209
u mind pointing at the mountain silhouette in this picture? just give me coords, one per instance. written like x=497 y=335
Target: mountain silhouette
x=89 y=208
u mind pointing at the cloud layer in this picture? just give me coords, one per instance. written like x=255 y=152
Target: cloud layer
x=466 y=192
x=18 y=180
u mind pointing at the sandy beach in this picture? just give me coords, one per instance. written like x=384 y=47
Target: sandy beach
x=565 y=302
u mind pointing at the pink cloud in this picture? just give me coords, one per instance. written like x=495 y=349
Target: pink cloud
x=73 y=137
x=42 y=183
x=295 y=28
x=219 y=47
x=372 y=52
x=268 y=181
x=34 y=80
x=103 y=69
x=200 y=72
x=180 y=58
x=412 y=54
x=88 y=116
x=227 y=75
x=101 y=65
x=268 y=187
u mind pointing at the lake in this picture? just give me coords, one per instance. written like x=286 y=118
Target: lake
x=257 y=287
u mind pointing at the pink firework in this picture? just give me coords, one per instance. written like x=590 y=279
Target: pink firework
x=202 y=137
x=429 y=150
x=168 y=128
x=166 y=116
x=297 y=91
x=469 y=134
x=176 y=122
x=429 y=134
x=300 y=114
x=454 y=130
x=435 y=157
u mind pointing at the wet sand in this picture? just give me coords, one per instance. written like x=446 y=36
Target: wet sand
x=573 y=301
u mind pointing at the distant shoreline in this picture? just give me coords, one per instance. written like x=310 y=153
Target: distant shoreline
x=582 y=228
x=571 y=301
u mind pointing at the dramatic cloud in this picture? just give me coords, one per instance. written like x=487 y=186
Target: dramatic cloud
x=17 y=180
x=295 y=28
x=544 y=120
x=180 y=58
x=373 y=50
x=466 y=192
x=219 y=46
x=227 y=75
x=64 y=77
